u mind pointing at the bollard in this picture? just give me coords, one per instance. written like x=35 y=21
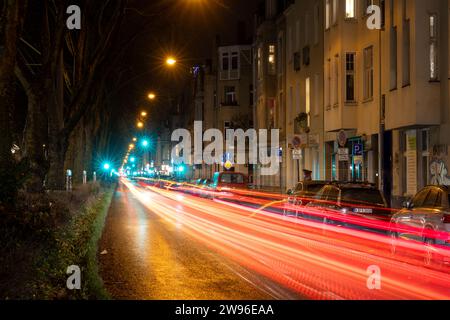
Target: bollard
x=84 y=177
x=69 y=180
x=95 y=177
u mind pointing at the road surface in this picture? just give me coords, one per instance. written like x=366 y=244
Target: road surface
x=149 y=258
x=167 y=244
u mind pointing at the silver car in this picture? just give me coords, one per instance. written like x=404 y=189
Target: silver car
x=423 y=216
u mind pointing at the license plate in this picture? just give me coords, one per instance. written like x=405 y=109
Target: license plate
x=363 y=210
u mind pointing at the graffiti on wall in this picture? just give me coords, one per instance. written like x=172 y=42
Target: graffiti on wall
x=439 y=173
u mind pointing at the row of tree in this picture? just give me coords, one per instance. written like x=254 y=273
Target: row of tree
x=64 y=75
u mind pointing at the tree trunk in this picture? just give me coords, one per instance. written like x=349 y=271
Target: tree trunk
x=35 y=138
x=9 y=34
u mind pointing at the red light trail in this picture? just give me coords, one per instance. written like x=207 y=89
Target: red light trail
x=313 y=259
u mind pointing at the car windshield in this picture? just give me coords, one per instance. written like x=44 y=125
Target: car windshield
x=232 y=178
x=362 y=196
x=314 y=188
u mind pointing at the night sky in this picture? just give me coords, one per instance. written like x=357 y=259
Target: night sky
x=184 y=28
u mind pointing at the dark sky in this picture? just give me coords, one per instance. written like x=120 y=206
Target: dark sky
x=183 y=28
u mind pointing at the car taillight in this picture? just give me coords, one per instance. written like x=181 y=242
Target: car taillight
x=446 y=218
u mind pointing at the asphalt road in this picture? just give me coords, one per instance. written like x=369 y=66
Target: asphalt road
x=146 y=257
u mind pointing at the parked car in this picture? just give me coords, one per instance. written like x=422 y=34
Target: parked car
x=229 y=180
x=301 y=195
x=426 y=214
x=341 y=200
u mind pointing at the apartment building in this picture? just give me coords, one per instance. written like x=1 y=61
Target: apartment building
x=415 y=94
x=234 y=96
x=352 y=92
x=269 y=80
x=304 y=90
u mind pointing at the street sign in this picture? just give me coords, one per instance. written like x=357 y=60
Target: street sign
x=296 y=154
x=358 y=149
x=343 y=154
x=342 y=138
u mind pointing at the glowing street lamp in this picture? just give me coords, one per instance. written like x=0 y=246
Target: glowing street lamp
x=152 y=96
x=171 y=61
x=143 y=114
x=106 y=166
x=134 y=139
x=140 y=125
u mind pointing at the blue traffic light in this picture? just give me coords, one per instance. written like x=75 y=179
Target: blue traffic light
x=145 y=143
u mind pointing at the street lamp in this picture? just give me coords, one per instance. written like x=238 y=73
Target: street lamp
x=140 y=125
x=143 y=114
x=106 y=166
x=171 y=61
x=152 y=96
x=145 y=143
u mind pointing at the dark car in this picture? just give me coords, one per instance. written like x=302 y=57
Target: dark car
x=426 y=219
x=229 y=180
x=341 y=201
x=301 y=195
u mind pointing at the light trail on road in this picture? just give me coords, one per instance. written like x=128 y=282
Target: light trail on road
x=315 y=260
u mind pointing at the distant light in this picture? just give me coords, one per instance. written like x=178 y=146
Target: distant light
x=181 y=169
x=132 y=159
x=171 y=61
x=145 y=143
x=140 y=124
x=143 y=114
x=106 y=166
x=134 y=139
x=152 y=96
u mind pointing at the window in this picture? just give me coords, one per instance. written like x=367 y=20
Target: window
x=234 y=61
x=350 y=11
x=328 y=85
x=406 y=53
x=333 y=194
x=225 y=61
x=335 y=10
x=433 y=47
x=393 y=58
x=271 y=62
x=433 y=199
x=259 y=62
x=368 y=73
x=327 y=14
x=350 y=77
x=419 y=200
x=306 y=29
x=230 y=96
x=316 y=95
x=308 y=100
x=336 y=81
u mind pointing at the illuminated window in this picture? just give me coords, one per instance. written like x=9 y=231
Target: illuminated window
x=327 y=14
x=433 y=48
x=350 y=11
x=259 y=62
x=271 y=60
x=308 y=100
